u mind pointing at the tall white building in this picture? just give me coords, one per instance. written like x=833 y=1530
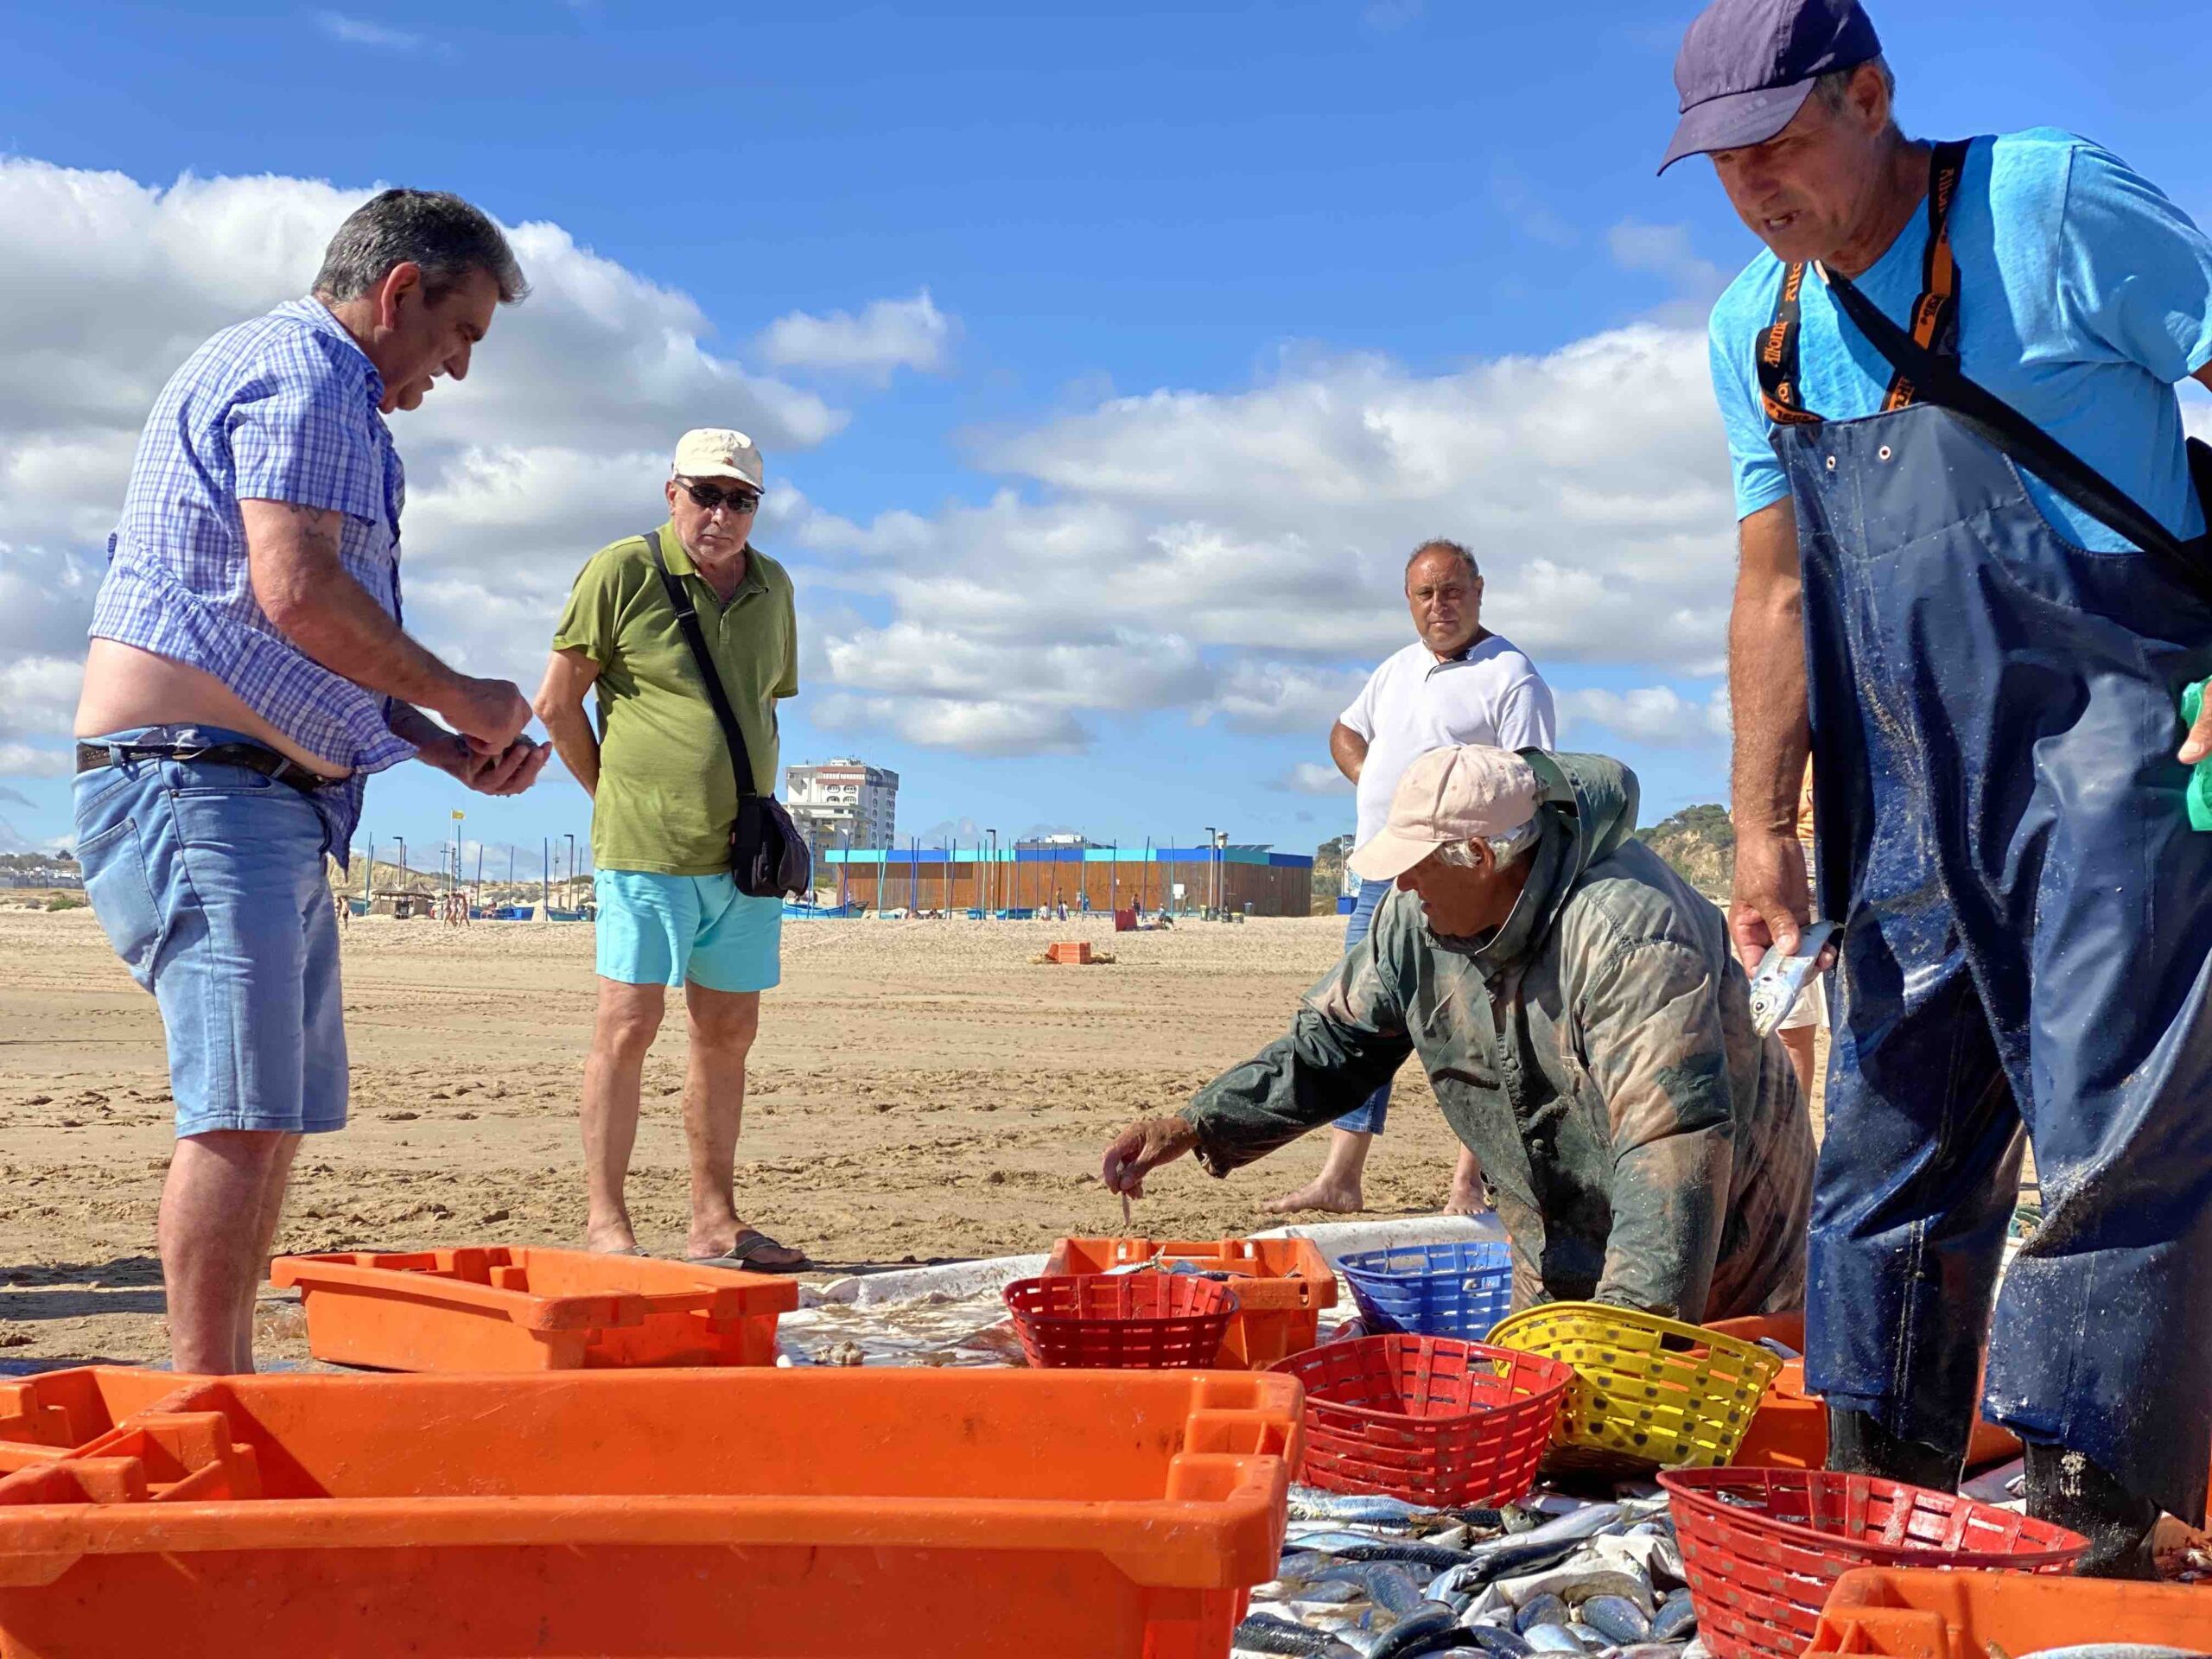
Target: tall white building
x=843 y=803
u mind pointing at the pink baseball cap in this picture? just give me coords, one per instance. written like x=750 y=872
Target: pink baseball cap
x=1449 y=795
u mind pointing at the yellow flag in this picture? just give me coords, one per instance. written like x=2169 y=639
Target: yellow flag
x=457 y=817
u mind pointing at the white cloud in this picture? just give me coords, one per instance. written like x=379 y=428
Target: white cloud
x=1310 y=777
x=556 y=442
x=889 y=334
x=1234 y=556
x=1241 y=553
x=1265 y=696
x=1656 y=715
x=985 y=726
x=361 y=31
x=1664 y=250
x=21 y=760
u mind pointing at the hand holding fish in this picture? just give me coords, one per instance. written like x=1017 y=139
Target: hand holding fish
x=1141 y=1148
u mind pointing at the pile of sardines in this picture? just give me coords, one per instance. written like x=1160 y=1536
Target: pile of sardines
x=1379 y=1578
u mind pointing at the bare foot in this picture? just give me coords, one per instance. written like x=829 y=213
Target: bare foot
x=1466 y=1197
x=1320 y=1193
x=617 y=1239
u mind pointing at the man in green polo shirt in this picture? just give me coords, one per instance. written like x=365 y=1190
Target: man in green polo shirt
x=664 y=798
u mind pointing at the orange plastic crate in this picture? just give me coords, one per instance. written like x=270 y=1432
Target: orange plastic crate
x=800 y=1514
x=1917 y=1614
x=1075 y=952
x=1282 y=1285
x=45 y=1416
x=497 y=1309
x=1790 y=1430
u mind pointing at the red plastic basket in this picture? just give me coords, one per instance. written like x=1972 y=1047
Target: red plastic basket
x=1129 y=1322
x=1431 y=1419
x=1762 y=1548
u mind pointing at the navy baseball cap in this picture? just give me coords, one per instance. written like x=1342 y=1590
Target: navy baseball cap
x=1747 y=66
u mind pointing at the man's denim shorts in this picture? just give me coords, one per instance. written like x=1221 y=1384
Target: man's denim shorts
x=209 y=882
x=663 y=930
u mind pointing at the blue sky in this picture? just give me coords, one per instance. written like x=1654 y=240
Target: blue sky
x=1292 y=223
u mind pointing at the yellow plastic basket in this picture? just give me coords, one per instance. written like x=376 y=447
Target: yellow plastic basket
x=1647 y=1392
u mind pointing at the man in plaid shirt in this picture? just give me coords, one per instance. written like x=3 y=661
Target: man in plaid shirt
x=247 y=672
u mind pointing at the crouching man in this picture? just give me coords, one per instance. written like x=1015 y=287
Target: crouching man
x=1586 y=1031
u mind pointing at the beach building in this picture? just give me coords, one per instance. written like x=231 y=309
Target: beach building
x=843 y=803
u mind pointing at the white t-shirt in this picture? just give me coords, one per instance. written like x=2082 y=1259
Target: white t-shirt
x=1412 y=704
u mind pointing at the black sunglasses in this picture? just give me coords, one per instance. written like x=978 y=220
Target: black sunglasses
x=707 y=498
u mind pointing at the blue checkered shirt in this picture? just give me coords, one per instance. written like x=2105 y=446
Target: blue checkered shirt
x=280 y=408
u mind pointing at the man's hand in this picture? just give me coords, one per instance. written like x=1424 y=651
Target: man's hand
x=1772 y=900
x=1141 y=1148
x=490 y=713
x=2198 y=743
x=508 y=772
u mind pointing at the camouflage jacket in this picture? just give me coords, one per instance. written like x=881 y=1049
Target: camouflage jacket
x=1596 y=1052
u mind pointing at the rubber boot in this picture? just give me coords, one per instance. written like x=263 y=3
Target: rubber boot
x=1860 y=1445
x=2069 y=1490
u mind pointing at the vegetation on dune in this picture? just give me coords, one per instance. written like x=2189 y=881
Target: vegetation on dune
x=1700 y=843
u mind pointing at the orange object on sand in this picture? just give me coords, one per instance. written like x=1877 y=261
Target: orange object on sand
x=1917 y=1613
x=45 y=1416
x=1790 y=1430
x=501 y=1309
x=742 y=1514
x=1075 y=952
x=1282 y=1285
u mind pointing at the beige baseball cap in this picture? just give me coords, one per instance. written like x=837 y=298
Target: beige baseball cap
x=1446 y=796
x=718 y=452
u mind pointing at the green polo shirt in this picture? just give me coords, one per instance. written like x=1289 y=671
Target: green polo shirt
x=667 y=796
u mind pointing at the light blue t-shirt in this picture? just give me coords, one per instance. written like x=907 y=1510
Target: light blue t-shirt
x=2084 y=295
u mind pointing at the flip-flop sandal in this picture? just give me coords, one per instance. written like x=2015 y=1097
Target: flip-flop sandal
x=630 y=1249
x=748 y=1245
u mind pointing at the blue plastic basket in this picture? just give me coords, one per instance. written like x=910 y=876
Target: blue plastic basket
x=1433 y=1290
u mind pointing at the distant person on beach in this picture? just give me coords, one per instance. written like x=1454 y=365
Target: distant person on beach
x=1586 y=1028
x=1457 y=683
x=247 y=673
x=664 y=789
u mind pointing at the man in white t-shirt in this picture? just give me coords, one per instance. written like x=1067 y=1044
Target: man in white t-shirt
x=1458 y=683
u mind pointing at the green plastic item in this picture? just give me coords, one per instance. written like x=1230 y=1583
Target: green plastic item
x=2200 y=776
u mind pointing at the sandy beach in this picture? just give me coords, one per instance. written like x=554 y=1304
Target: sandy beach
x=921 y=1089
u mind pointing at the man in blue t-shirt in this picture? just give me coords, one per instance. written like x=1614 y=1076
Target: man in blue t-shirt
x=1986 y=672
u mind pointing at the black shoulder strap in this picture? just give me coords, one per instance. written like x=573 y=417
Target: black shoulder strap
x=687 y=618
x=1937 y=380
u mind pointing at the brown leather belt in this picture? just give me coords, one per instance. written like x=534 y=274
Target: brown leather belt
x=92 y=756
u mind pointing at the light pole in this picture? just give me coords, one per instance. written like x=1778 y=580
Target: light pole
x=1221 y=871
x=993 y=906
x=568 y=888
x=402 y=840
x=1210 y=836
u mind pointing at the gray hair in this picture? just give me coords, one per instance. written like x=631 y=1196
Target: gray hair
x=1833 y=88
x=1504 y=849
x=447 y=237
x=1440 y=545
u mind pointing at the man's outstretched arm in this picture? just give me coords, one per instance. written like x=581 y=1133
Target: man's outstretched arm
x=1348 y=1040
x=303 y=588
